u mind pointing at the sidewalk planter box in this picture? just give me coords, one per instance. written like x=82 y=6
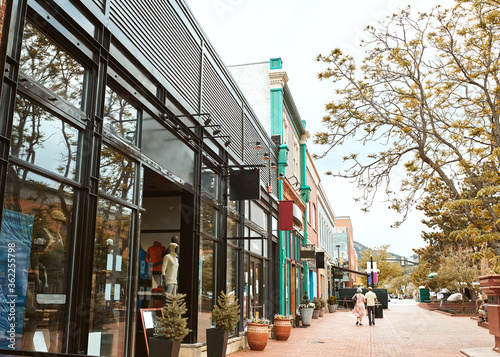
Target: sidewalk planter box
x=490 y=284
x=257 y=336
x=217 y=342
x=282 y=329
x=159 y=346
x=306 y=315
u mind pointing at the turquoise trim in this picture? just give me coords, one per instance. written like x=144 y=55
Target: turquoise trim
x=276 y=63
x=276 y=112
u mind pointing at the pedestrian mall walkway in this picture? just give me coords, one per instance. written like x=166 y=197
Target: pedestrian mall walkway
x=405 y=331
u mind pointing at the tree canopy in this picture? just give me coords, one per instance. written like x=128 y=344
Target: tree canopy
x=428 y=93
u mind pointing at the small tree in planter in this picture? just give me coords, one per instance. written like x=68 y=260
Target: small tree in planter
x=172 y=327
x=317 y=308
x=225 y=316
x=332 y=303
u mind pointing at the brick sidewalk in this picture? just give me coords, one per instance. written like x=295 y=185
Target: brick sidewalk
x=405 y=331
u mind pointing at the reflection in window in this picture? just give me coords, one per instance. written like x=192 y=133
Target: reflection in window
x=209 y=182
x=231 y=269
x=209 y=216
x=42 y=139
x=48 y=64
x=120 y=117
x=37 y=216
x=206 y=287
x=109 y=279
x=117 y=174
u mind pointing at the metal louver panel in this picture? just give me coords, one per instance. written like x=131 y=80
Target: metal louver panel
x=155 y=28
x=100 y=4
x=220 y=103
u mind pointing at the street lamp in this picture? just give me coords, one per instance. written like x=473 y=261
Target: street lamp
x=338 y=262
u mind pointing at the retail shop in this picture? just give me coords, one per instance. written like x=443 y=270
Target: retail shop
x=117 y=151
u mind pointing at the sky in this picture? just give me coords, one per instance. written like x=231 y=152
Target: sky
x=252 y=31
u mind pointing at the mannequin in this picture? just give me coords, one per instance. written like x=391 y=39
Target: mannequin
x=169 y=269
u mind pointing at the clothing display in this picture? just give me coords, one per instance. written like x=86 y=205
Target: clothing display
x=154 y=255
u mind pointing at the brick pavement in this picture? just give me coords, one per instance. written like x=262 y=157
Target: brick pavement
x=404 y=331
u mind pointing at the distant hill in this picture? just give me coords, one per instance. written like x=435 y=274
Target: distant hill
x=360 y=247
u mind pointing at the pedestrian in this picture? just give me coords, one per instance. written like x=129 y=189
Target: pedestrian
x=371 y=302
x=359 y=306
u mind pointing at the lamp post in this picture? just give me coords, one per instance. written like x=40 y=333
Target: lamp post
x=338 y=262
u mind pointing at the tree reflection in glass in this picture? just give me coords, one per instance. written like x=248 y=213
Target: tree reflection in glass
x=48 y=64
x=117 y=174
x=40 y=138
x=120 y=117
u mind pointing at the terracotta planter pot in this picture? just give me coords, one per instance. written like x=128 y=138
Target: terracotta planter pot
x=315 y=314
x=217 y=342
x=282 y=329
x=306 y=315
x=257 y=336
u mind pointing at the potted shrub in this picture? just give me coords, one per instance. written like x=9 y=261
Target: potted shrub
x=322 y=303
x=332 y=303
x=317 y=308
x=282 y=327
x=258 y=333
x=171 y=328
x=306 y=309
x=225 y=315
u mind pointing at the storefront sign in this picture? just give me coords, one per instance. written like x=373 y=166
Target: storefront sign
x=15 y=249
x=286 y=216
x=307 y=253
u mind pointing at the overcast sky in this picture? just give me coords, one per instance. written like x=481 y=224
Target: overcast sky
x=250 y=31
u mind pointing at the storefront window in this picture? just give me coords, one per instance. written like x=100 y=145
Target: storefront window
x=231 y=269
x=45 y=62
x=117 y=174
x=209 y=217
x=206 y=287
x=42 y=139
x=108 y=307
x=34 y=241
x=209 y=182
x=120 y=117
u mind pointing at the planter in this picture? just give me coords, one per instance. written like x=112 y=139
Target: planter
x=321 y=312
x=217 y=342
x=282 y=329
x=257 y=336
x=160 y=346
x=490 y=284
x=306 y=315
x=332 y=308
x=315 y=314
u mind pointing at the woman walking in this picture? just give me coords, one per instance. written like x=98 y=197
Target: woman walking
x=359 y=306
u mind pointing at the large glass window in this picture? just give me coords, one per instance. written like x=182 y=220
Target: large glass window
x=109 y=280
x=120 y=117
x=206 y=287
x=117 y=174
x=47 y=63
x=42 y=139
x=209 y=219
x=34 y=262
x=209 y=182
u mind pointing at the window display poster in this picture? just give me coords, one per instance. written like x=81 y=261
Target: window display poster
x=15 y=249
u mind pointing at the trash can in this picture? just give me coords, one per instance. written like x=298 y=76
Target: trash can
x=379 y=311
